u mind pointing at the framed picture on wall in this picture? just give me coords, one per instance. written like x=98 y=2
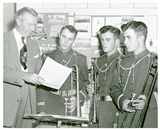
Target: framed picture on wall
x=53 y=22
x=83 y=25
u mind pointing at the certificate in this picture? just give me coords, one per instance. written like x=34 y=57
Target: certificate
x=54 y=73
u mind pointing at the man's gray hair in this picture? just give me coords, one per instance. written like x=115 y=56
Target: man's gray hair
x=26 y=10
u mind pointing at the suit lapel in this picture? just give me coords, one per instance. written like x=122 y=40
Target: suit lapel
x=15 y=53
x=33 y=60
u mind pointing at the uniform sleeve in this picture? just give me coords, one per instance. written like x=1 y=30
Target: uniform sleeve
x=155 y=91
x=155 y=63
x=83 y=78
x=83 y=73
x=116 y=89
x=117 y=94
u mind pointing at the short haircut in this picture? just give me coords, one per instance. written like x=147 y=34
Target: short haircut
x=71 y=28
x=116 y=32
x=26 y=10
x=138 y=26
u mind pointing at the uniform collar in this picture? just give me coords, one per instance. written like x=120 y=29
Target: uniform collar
x=131 y=60
x=142 y=54
x=105 y=61
x=70 y=52
x=113 y=56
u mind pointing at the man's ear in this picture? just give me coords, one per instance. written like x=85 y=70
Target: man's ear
x=19 y=20
x=117 y=43
x=59 y=35
x=141 y=38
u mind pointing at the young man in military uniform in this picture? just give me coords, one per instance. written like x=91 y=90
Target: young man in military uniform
x=130 y=80
x=109 y=39
x=65 y=55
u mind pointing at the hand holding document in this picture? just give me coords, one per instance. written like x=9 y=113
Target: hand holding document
x=54 y=74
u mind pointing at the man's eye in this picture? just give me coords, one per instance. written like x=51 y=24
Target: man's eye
x=62 y=35
x=70 y=39
x=102 y=40
x=107 y=40
x=128 y=37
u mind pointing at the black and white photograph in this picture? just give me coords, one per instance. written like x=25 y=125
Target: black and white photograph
x=80 y=64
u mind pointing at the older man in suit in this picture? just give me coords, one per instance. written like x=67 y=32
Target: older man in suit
x=22 y=62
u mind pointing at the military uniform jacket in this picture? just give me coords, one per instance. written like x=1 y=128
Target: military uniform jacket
x=70 y=59
x=104 y=67
x=105 y=109
x=129 y=78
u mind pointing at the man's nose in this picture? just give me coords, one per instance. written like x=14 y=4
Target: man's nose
x=66 y=39
x=33 y=28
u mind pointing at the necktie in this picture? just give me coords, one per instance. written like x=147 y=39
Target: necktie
x=23 y=54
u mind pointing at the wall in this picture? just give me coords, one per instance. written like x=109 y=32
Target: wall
x=9 y=11
x=113 y=11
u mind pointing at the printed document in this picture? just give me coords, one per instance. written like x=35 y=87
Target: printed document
x=54 y=73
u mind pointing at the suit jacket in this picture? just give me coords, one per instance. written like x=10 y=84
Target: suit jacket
x=13 y=93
